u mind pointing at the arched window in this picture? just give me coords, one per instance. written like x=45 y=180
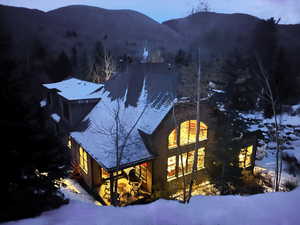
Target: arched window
x=188 y=132
x=203 y=131
x=172 y=140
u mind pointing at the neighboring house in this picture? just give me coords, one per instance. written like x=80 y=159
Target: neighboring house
x=135 y=111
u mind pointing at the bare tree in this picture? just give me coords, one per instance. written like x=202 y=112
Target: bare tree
x=103 y=65
x=197 y=131
x=109 y=65
x=201 y=6
x=181 y=154
x=120 y=135
x=269 y=96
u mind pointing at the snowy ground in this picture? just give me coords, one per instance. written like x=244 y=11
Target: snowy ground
x=290 y=133
x=264 y=209
x=73 y=191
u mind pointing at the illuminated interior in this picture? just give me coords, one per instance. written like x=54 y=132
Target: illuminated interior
x=203 y=131
x=187 y=162
x=172 y=143
x=171 y=168
x=70 y=144
x=187 y=134
x=128 y=190
x=201 y=155
x=83 y=160
x=245 y=157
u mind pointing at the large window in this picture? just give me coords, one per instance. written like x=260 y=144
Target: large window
x=188 y=131
x=185 y=165
x=171 y=168
x=201 y=155
x=83 y=160
x=245 y=157
x=172 y=140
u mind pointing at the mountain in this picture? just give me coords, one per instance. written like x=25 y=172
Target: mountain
x=123 y=31
x=215 y=33
x=127 y=31
x=218 y=34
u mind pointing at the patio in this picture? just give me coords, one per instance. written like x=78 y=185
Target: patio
x=129 y=188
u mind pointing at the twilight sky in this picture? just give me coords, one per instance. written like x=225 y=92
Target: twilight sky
x=161 y=10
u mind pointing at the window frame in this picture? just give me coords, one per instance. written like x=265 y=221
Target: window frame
x=187 y=171
x=187 y=141
x=83 y=160
x=245 y=157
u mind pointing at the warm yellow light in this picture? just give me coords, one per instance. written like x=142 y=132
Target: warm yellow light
x=188 y=132
x=201 y=155
x=171 y=168
x=245 y=157
x=83 y=160
x=70 y=144
x=172 y=140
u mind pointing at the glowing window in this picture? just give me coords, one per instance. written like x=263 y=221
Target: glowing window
x=201 y=155
x=188 y=132
x=105 y=174
x=172 y=140
x=245 y=157
x=203 y=132
x=70 y=144
x=83 y=160
x=171 y=168
x=187 y=162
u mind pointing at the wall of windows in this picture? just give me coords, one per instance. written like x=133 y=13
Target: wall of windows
x=171 y=175
x=187 y=134
x=83 y=160
x=176 y=167
x=172 y=140
x=245 y=157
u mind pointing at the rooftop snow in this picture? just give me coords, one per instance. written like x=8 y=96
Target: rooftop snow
x=135 y=97
x=43 y=103
x=55 y=117
x=75 y=89
x=99 y=138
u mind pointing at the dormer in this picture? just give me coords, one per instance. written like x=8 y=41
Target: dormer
x=71 y=99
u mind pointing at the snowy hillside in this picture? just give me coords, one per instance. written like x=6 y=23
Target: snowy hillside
x=262 y=209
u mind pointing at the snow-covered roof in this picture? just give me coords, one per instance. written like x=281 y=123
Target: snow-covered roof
x=75 y=89
x=43 y=103
x=139 y=110
x=55 y=117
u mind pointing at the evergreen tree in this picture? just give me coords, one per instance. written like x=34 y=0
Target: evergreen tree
x=33 y=157
x=61 y=68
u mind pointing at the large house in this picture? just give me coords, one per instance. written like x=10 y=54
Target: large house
x=134 y=137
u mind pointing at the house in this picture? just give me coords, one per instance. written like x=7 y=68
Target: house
x=139 y=139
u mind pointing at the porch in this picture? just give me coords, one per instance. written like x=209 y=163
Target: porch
x=133 y=184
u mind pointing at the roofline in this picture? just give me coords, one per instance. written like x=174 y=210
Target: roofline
x=124 y=166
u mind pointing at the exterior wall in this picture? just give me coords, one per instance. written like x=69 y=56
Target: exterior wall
x=79 y=109
x=87 y=177
x=160 y=145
